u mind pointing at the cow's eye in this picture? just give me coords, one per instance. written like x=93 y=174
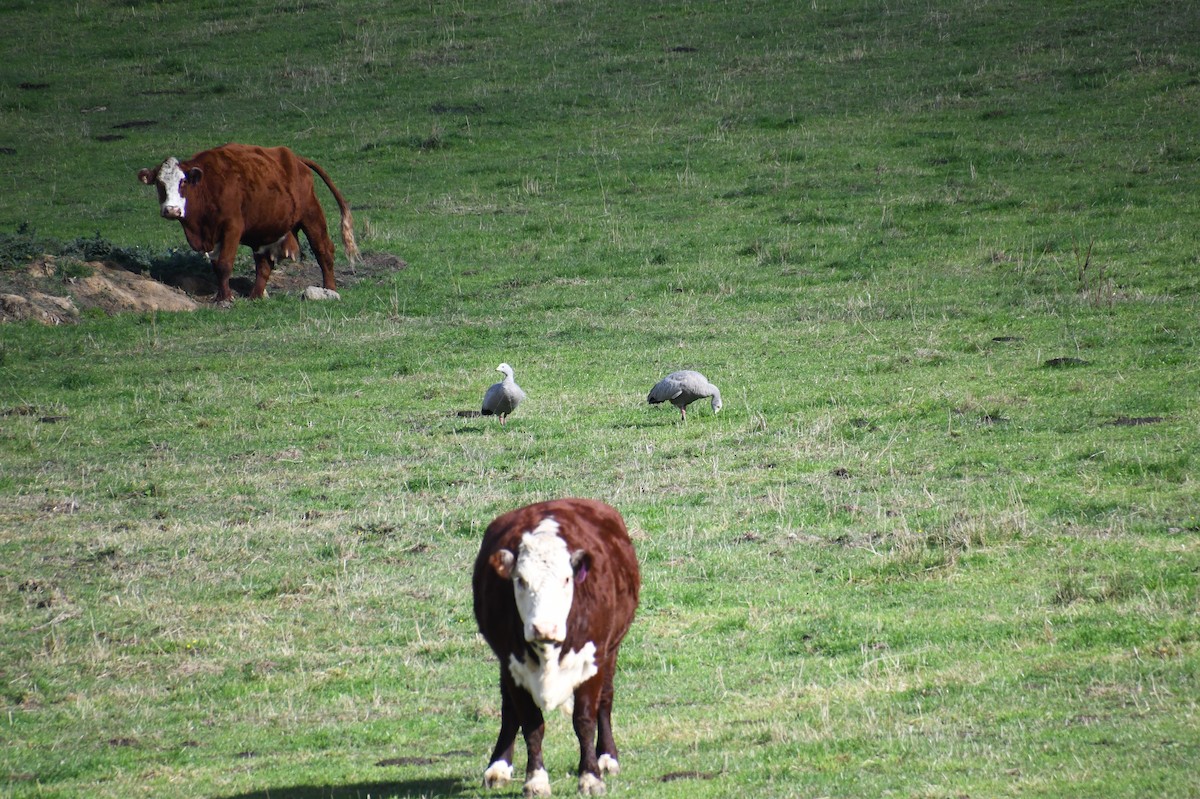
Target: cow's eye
x=522 y=583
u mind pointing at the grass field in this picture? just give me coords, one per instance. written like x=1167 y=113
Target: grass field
x=941 y=258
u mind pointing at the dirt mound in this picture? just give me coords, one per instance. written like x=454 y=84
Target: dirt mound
x=56 y=291
x=39 y=307
x=55 y=294
x=114 y=290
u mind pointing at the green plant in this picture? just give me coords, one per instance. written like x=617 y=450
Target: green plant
x=19 y=248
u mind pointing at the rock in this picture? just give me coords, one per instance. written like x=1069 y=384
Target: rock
x=38 y=307
x=55 y=310
x=14 y=306
x=318 y=293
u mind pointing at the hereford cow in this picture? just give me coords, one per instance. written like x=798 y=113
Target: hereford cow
x=556 y=586
x=257 y=196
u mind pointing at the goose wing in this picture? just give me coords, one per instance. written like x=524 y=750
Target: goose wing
x=493 y=400
x=665 y=390
x=681 y=388
x=502 y=398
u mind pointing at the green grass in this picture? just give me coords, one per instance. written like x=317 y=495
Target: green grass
x=909 y=558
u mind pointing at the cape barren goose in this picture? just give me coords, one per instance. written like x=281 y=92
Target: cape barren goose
x=682 y=389
x=502 y=398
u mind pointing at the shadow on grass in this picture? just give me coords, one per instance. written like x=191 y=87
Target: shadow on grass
x=434 y=787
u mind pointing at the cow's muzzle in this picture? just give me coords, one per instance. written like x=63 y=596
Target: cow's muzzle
x=172 y=212
x=547 y=636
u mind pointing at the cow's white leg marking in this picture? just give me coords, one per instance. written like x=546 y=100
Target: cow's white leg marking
x=538 y=783
x=552 y=682
x=608 y=764
x=591 y=785
x=498 y=774
x=276 y=250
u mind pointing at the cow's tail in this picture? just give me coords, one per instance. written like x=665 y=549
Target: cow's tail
x=343 y=206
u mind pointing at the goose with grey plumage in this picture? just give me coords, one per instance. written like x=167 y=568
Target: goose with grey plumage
x=502 y=398
x=682 y=388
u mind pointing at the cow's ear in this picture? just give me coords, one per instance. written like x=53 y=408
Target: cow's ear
x=194 y=174
x=581 y=561
x=146 y=176
x=502 y=561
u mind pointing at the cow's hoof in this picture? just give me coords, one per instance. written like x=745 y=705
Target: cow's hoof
x=591 y=785
x=497 y=775
x=538 y=784
x=608 y=764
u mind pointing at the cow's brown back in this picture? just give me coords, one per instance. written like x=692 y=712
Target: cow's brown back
x=266 y=187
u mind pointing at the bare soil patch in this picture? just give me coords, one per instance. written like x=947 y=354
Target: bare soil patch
x=1135 y=421
x=56 y=291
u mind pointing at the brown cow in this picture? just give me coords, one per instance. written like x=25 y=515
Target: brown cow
x=257 y=196
x=556 y=586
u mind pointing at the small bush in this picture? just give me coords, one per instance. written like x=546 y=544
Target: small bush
x=93 y=249
x=18 y=249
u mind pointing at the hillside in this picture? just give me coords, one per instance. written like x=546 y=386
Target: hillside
x=940 y=258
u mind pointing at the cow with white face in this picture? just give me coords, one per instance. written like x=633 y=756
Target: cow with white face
x=260 y=197
x=556 y=587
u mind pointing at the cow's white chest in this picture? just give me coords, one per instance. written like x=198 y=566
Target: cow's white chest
x=552 y=682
